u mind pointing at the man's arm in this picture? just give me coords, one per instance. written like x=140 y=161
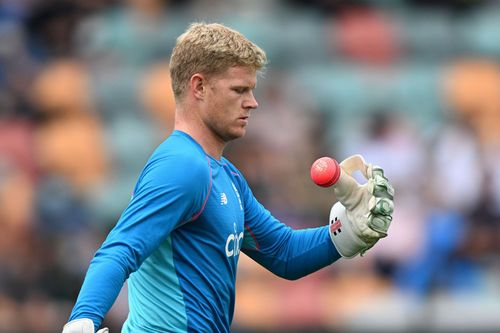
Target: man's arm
x=162 y=201
x=288 y=253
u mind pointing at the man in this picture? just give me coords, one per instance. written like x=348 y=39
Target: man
x=192 y=212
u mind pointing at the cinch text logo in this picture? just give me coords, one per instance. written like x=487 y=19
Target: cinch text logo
x=233 y=243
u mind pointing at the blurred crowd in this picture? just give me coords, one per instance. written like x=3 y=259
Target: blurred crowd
x=414 y=86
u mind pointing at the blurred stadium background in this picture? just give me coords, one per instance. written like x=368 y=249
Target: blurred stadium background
x=412 y=85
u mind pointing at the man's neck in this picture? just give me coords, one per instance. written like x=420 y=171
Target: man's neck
x=188 y=123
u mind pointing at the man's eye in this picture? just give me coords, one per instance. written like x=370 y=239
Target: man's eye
x=239 y=90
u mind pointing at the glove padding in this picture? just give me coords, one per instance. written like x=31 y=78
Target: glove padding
x=82 y=326
x=364 y=212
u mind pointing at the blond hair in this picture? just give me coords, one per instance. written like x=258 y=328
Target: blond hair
x=211 y=49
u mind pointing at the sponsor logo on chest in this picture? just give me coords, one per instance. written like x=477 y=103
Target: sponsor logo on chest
x=233 y=243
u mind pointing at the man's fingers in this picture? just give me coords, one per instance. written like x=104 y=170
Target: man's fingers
x=371 y=205
x=381 y=187
x=381 y=206
x=380 y=224
x=375 y=170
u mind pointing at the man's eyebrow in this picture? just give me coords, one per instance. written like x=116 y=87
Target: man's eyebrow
x=249 y=85
x=243 y=86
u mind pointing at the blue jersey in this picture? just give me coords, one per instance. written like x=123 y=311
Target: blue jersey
x=179 y=240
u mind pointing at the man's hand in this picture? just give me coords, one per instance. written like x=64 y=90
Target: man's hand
x=364 y=212
x=82 y=326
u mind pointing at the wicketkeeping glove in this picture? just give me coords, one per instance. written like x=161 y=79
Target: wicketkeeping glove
x=82 y=326
x=363 y=213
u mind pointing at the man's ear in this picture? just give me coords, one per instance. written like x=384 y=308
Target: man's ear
x=197 y=85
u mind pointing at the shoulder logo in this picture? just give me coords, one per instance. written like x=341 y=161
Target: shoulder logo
x=223 y=198
x=237 y=195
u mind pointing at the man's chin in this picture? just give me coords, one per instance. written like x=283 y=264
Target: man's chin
x=236 y=134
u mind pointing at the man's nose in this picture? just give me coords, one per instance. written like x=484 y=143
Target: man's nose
x=250 y=102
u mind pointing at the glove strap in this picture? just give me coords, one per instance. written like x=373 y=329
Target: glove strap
x=347 y=243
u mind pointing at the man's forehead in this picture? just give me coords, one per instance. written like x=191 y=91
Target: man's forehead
x=242 y=74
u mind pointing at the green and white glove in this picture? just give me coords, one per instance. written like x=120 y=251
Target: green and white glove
x=363 y=213
x=82 y=326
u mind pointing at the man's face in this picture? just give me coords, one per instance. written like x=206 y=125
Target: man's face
x=228 y=101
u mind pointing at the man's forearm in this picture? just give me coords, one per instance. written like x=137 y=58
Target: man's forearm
x=99 y=291
x=301 y=252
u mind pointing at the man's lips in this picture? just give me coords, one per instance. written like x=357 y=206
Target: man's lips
x=244 y=119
